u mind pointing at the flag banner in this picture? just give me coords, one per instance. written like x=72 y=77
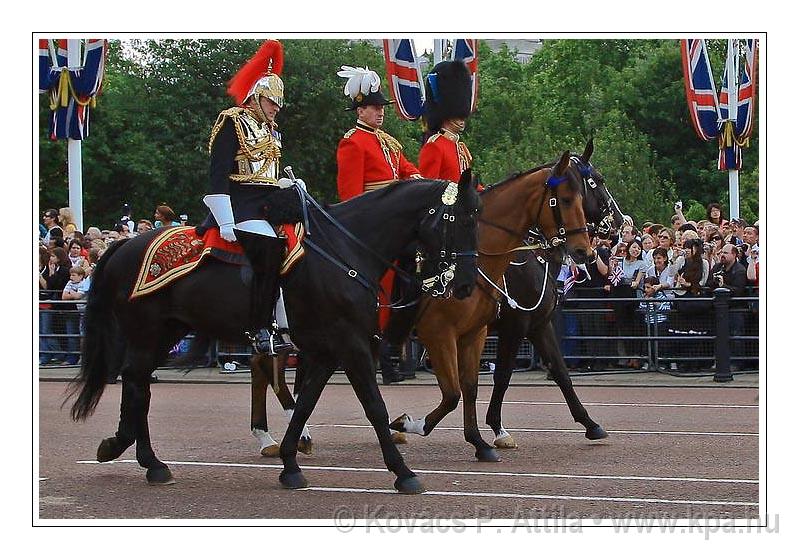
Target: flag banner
x=405 y=77
x=701 y=94
x=467 y=50
x=617 y=274
x=72 y=90
x=747 y=91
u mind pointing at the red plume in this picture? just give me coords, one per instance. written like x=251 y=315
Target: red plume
x=269 y=56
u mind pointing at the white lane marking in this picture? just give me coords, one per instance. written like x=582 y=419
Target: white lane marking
x=567 y=430
x=648 y=405
x=459 y=473
x=536 y=496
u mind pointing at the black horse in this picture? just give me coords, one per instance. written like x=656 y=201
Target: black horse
x=331 y=299
x=531 y=282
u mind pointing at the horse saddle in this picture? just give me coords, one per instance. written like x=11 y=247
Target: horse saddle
x=177 y=251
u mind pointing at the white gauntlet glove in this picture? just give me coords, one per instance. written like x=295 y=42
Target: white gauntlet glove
x=220 y=206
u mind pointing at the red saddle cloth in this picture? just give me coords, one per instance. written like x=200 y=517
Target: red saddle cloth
x=179 y=250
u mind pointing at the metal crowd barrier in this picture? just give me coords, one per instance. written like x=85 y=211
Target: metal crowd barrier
x=598 y=335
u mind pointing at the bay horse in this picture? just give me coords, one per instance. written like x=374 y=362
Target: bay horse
x=531 y=283
x=331 y=299
x=454 y=332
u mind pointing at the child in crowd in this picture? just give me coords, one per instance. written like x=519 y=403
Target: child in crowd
x=656 y=315
x=76 y=289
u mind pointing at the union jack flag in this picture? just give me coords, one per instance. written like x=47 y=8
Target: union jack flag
x=467 y=50
x=701 y=93
x=617 y=274
x=72 y=90
x=405 y=77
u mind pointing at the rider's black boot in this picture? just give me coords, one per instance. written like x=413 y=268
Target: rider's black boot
x=265 y=255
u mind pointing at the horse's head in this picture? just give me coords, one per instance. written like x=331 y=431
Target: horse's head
x=449 y=238
x=565 y=222
x=602 y=212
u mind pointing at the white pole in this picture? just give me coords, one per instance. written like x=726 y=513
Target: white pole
x=74 y=147
x=437 y=50
x=733 y=107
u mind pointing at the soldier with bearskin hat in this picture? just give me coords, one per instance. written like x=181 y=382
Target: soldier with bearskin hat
x=448 y=103
x=368 y=159
x=245 y=149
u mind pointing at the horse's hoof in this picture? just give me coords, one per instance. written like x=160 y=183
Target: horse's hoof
x=399 y=425
x=410 y=485
x=487 y=455
x=273 y=450
x=160 y=476
x=399 y=437
x=596 y=433
x=108 y=450
x=293 y=480
x=505 y=442
x=305 y=446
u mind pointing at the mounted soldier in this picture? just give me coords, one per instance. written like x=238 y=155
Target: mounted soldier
x=369 y=159
x=448 y=104
x=245 y=148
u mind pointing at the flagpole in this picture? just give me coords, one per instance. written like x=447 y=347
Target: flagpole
x=733 y=109
x=74 y=147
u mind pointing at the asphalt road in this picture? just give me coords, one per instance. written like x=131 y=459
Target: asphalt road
x=673 y=452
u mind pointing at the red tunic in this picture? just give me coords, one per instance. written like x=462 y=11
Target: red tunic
x=369 y=159
x=444 y=157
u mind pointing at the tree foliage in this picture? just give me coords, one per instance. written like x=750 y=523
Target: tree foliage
x=149 y=138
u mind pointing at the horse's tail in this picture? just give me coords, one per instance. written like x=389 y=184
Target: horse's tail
x=98 y=357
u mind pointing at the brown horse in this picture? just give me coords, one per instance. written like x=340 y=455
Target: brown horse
x=547 y=197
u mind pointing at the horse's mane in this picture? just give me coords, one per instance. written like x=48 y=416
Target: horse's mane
x=515 y=176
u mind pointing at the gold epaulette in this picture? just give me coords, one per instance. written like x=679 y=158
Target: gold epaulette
x=349 y=133
x=233 y=113
x=433 y=138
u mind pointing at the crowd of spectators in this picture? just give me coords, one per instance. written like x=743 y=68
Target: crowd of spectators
x=678 y=266
x=666 y=267
x=67 y=258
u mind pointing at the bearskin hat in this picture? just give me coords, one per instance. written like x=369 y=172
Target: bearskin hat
x=448 y=94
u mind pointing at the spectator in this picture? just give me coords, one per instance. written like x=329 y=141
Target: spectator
x=666 y=240
x=737 y=230
x=752 y=264
x=143 y=226
x=93 y=233
x=628 y=274
x=52 y=280
x=691 y=268
x=729 y=273
x=627 y=234
x=50 y=219
x=110 y=236
x=67 y=221
x=714 y=214
x=75 y=289
x=662 y=271
x=75 y=256
x=655 y=316
x=164 y=216
x=648 y=244
x=592 y=323
x=750 y=236
x=122 y=230
x=678 y=219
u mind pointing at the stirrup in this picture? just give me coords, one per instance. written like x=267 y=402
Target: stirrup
x=265 y=342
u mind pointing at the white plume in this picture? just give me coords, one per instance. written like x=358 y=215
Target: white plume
x=359 y=80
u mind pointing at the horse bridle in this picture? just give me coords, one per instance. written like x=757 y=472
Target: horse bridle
x=562 y=233
x=607 y=221
x=438 y=284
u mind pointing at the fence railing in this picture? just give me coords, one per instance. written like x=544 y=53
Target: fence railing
x=710 y=335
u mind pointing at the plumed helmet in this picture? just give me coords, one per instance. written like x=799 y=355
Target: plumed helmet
x=448 y=94
x=260 y=75
x=363 y=87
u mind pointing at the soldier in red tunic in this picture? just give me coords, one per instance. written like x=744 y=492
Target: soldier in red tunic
x=368 y=159
x=448 y=103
